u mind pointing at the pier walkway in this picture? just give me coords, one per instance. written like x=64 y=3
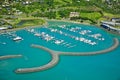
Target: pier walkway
x=56 y=54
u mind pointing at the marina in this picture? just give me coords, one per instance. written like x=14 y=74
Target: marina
x=58 y=47
x=59 y=39
x=12 y=36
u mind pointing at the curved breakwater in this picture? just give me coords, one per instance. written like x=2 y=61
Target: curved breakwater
x=55 y=56
x=9 y=56
x=115 y=45
x=53 y=62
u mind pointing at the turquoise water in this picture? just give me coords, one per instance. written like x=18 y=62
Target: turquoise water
x=98 y=67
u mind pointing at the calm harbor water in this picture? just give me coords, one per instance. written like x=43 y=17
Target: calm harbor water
x=98 y=67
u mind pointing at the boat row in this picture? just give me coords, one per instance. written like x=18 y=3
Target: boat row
x=47 y=37
x=79 y=30
x=12 y=36
x=81 y=39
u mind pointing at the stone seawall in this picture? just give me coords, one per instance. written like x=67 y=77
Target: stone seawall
x=53 y=62
x=115 y=45
x=9 y=56
x=55 y=57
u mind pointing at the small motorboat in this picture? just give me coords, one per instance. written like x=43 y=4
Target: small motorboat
x=17 y=38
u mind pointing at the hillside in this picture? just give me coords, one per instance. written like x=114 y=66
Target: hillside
x=92 y=10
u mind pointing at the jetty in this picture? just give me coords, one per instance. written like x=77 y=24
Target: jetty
x=10 y=56
x=56 y=54
x=53 y=62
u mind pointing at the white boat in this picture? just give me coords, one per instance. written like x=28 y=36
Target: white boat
x=32 y=30
x=103 y=39
x=77 y=38
x=48 y=38
x=82 y=39
x=17 y=38
x=60 y=32
x=52 y=30
x=59 y=42
x=93 y=43
x=37 y=34
x=71 y=46
x=62 y=26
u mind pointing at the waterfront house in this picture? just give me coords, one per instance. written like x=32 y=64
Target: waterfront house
x=74 y=14
x=3 y=28
x=116 y=20
x=113 y=22
x=110 y=28
x=9 y=27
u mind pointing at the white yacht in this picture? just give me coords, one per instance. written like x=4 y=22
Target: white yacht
x=82 y=39
x=37 y=34
x=77 y=38
x=59 y=42
x=17 y=38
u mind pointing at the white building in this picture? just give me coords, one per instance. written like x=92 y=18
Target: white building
x=3 y=28
x=74 y=14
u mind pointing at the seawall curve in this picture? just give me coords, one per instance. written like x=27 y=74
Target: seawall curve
x=114 y=46
x=9 y=56
x=55 y=56
x=53 y=62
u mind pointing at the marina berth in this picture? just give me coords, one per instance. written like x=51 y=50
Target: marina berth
x=81 y=39
x=77 y=38
x=11 y=35
x=37 y=34
x=58 y=42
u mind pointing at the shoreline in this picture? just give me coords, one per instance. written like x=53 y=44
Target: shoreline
x=46 y=23
x=21 y=28
x=16 y=29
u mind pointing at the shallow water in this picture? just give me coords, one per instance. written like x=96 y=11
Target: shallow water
x=98 y=67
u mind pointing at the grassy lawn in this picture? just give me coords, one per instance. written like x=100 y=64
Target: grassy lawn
x=111 y=15
x=31 y=22
x=93 y=16
x=83 y=8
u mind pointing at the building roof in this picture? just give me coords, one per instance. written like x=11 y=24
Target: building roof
x=111 y=27
x=74 y=14
x=115 y=19
x=3 y=28
x=113 y=23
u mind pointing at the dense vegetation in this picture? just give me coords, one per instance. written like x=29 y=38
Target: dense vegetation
x=30 y=22
x=93 y=10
